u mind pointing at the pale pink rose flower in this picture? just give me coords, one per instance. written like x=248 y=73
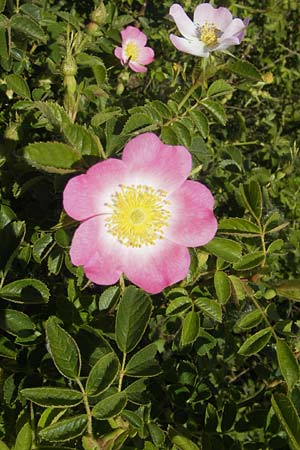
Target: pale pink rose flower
x=134 y=51
x=139 y=214
x=212 y=29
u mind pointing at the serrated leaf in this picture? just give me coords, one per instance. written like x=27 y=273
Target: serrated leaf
x=238 y=227
x=53 y=157
x=103 y=374
x=136 y=392
x=218 y=87
x=143 y=363
x=216 y=109
x=182 y=133
x=225 y=248
x=133 y=315
x=178 y=305
x=250 y=320
x=289 y=289
x=110 y=406
x=288 y=417
x=156 y=433
x=11 y=237
x=53 y=396
x=7 y=349
x=28 y=291
x=201 y=122
x=40 y=246
x=63 y=349
x=275 y=246
x=168 y=136
x=103 y=116
x=108 y=298
x=250 y=261
x=82 y=139
x=190 y=328
x=288 y=364
x=136 y=121
x=24 y=438
x=256 y=342
x=53 y=112
x=245 y=69
x=64 y=430
x=16 y=323
x=222 y=286
x=162 y=108
x=210 y=307
x=17 y=84
x=29 y=27
x=183 y=443
x=252 y=197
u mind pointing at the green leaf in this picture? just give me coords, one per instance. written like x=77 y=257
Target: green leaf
x=238 y=227
x=256 y=342
x=53 y=157
x=136 y=392
x=201 y=122
x=252 y=197
x=190 y=328
x=16 y=323
x=211 y=418
x=63 y=349
x=108 y=298
x=133 y=315
x=40 y=246
x=288 y=417
x=250 y=320
x=29 y=27
x=53 y=112
x=182 y=133
x=218 y=87
x=183 y=443
x=275 y=246
x=53 y=396
x=102 y=374
x=143 y=364
x=64 y=430
x=237 y=287
x=222 y=286
x=17 y=84
x=2 y=5
x=168 y=136
x=178 y=305
x=210 y=307
x=245 y=69
x=86 y=142
x=29 y=291
x=7 y=349
x=3 y=446
x=156 y=433
x=135 y=420
x=136 y=121
x=224 y=248
x=24 y=438
x=103 y=116
x=288 y=364
x=249 y=261
x=228 y=416
x=216 y=110
x=10 y=237
x=289 y=289
x=110 y=406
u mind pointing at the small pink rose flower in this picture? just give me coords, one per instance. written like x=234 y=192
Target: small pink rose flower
x=212 y=29
x=133 y=51
x=139 y=214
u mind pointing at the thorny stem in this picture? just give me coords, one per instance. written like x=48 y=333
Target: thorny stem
x=87 y=408
x=122 y=372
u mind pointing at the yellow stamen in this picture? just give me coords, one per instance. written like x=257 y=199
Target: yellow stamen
x=209 y=34
x=131 y=51
x=139 y=215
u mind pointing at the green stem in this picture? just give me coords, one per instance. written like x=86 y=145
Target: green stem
x=87 y=408
x=188 y=94
x=122 y=372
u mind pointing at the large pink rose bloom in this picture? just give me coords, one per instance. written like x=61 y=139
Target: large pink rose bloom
x=212 y=29
x=139 y=215
x=133 y=51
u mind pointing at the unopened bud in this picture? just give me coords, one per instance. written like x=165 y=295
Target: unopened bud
x=92 y=28
x=69 y=66
x=70 y=84
x=99 y=15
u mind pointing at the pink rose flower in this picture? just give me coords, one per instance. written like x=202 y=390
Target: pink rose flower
x=139 y=214
x=133 y=51
x=212 y=29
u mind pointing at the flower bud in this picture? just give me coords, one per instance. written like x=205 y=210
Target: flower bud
x=99 y=15
x=69 y=66
x=70 y=84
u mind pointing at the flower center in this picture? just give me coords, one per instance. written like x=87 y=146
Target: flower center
x=209 y=34
x=131 y=51
x=139 y=215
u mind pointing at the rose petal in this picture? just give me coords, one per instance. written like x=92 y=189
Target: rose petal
x=119 y=54
x=154 y=163
x=96 y=250
x=192 y=47
x=235 y=27
x=85 y=195
x=222 y=18
x=183 y=22
x=204 y=12
x=134 y=34
x=192 y=223
x=227 y=43
x=154 y=268
x=146 y=55
x=136 y=67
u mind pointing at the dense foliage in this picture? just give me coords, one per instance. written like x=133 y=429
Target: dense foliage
x=210 y=363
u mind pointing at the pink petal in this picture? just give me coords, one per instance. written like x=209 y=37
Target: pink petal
x=192 y=223
x=136 y=67
x=119 y=54
x=85 y=195
x=134 y=34
x=97 y=251
x=154 y=163
x=154 y=268
x=192 y=47
x=204 y=12
x=183 y=22
x=235 y=27
x=222 y=18
x=146 y=55
x=227 y=43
